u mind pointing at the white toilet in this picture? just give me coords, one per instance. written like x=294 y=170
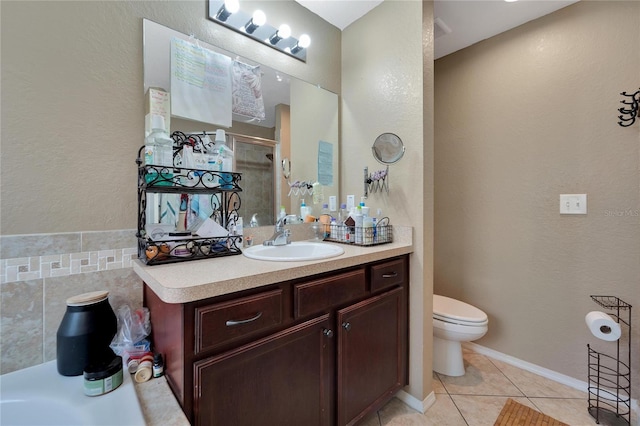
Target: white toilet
x=454 y=322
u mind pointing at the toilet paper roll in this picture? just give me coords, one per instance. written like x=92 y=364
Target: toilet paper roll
x=603 y=326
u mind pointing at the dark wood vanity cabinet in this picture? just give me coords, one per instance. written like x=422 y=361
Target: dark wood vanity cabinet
x=323 y=350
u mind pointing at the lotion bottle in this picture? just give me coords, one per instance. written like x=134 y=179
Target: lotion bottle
x=304 y=210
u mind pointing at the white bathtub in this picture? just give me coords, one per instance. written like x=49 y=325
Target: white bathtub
x=40 y=396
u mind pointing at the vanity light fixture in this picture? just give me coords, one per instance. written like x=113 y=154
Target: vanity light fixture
x=254 y=25
x=258 y=19
x=284 y=32
x=228 y=8
x=303 y=43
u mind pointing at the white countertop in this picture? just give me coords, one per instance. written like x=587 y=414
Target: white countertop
x=200 y=279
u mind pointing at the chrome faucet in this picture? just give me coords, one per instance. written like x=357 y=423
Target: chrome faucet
x=281 y=236
x=254 y=221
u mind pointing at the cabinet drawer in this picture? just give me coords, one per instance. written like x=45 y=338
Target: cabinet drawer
x=320 y=295
x=226 y=321
x=388 y=274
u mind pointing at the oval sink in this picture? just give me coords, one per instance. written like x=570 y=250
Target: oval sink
x=296 y=251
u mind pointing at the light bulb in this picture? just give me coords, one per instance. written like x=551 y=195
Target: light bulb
x=227 y=9
x=284 y=31
x=304 y=41
x=232 y=6
x=259 y=18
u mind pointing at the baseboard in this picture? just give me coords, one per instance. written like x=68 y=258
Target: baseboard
x=541 y=371
x=415 y=403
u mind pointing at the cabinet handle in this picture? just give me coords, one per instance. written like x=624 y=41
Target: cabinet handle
x=231 y=323
x=391 y=275
x=346 y=326
x=327 y=332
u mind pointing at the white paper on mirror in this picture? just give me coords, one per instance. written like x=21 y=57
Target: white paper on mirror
x=200 y=83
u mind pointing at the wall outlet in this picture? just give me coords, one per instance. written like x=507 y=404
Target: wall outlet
x=573 y=203
x=351 y=201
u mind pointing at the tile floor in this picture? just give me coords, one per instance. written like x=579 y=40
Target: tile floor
x=477 y=398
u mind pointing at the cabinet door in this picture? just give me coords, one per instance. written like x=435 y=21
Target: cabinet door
x=371 y=354
x=284 y=379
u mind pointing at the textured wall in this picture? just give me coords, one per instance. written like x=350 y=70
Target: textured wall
x=72 y=102
x=383 y=90
x=72 y=123
x=521 y=118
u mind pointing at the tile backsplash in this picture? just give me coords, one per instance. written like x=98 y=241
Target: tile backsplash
x=38 y=272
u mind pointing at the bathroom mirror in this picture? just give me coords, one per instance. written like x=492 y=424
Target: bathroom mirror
x=388 y=148
x=299 y=116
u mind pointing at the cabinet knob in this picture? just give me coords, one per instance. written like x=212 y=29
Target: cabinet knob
x=346 y=326
x=327 y=332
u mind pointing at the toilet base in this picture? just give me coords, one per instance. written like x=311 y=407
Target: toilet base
x=447 y=357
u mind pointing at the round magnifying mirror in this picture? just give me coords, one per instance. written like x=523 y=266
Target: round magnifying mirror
x=388 y=148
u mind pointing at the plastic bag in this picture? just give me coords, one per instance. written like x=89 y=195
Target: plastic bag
x=133 y=328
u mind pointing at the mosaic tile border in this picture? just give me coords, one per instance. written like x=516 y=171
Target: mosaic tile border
x=61 y=265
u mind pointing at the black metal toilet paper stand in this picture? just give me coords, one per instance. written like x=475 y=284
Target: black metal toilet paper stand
x=610 y=377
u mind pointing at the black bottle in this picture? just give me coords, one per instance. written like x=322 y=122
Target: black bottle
x=84 y=335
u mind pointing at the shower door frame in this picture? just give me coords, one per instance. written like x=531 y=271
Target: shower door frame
x=233 y=138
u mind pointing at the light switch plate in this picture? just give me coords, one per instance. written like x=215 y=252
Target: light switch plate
x=573 y=203
x=351 y=201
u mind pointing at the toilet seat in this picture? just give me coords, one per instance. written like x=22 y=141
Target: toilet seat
x=454 y=311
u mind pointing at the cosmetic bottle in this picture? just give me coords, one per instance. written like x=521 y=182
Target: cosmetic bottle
x=367 y=230
x=365 y=209
x=158 y=145
x=333 y=233
x=343 y=214
x=358 y=218
x=304 y=210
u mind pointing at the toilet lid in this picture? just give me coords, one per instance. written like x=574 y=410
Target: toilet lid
x=452 y=310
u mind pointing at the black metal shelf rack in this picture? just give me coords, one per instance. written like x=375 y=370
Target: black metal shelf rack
x=224 y=189
x=610 y=377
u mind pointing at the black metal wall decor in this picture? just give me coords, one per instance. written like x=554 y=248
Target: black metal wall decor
x=630 y=110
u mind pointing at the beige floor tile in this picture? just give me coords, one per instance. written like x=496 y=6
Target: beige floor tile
x=442 y=413
x=371 y=420
x=535 y=386
x=395 y=412
x=571 y=411
x=483 y=410
x=438 y=387
x=481 y=378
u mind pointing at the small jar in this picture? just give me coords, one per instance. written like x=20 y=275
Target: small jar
x=103 y=378
x=144 y=372
x=158 y=366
